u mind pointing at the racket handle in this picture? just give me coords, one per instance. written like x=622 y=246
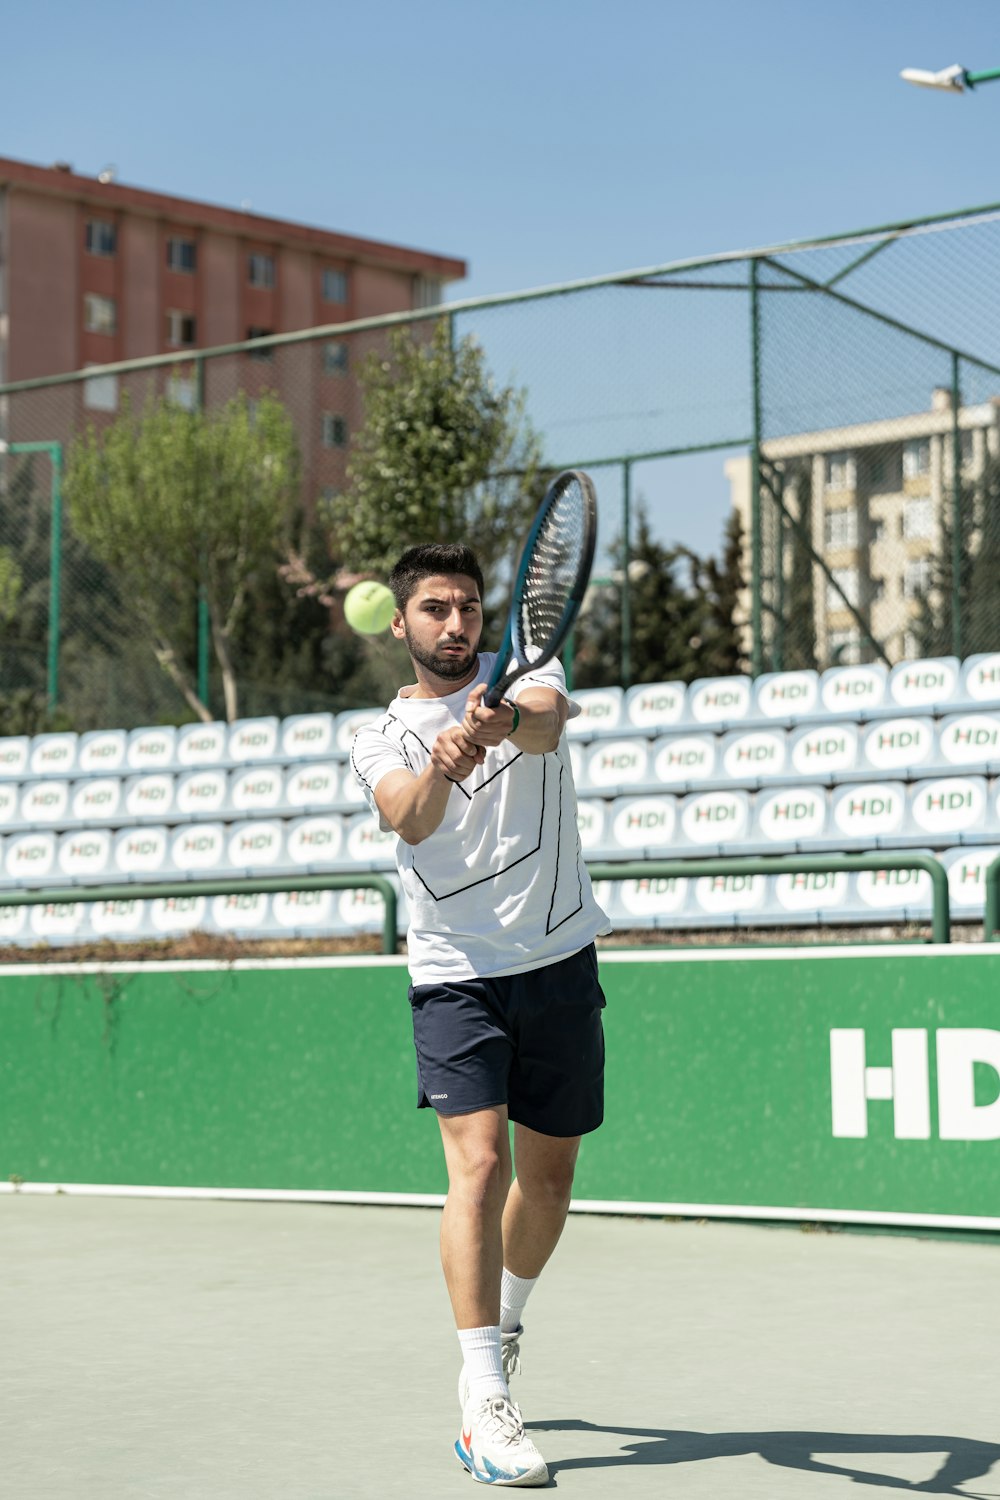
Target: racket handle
x=492 y=697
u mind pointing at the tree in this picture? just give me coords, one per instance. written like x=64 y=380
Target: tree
x=444 y=454
x=721 y=582
x=172 y=501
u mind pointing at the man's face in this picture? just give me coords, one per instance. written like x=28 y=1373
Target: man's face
x=442 y=624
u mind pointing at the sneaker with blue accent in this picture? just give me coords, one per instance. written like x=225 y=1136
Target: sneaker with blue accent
x=494 y=1446
x=510 y=1355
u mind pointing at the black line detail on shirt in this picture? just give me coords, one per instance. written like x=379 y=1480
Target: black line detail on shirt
x=550 y=926
x=495 y=874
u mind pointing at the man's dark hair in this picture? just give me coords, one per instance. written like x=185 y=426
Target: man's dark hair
x=428 y=559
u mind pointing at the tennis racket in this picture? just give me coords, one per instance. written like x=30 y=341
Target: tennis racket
x=551 y=580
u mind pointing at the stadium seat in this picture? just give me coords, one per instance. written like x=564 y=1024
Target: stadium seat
x=893 y=895
x=120 y=918
x=351 y=791
x=198 y=849
x=613 y=764
x=52 y=754
x=10 y=804
x=303 y=911
x=29 y=858
x=149 y=796
x=255 y=845
x=44 y=802
x=929 y=684
x=684 y=760
x=971 y=741
x=15 y=752
x=725 y=899
x=649 y=902
x=173 y=916
x=813 y=896
x=347 y=725
x=600 y=712
x=201 y=745
x=313 y=785
x=101 y=751
x=366 y=845
x=952 y=810
x=252 y=740
x=140 y=853
x=856 y=692
x=715 y=819
x=748 y=756
x=201 y=793
x=638 y=824
x=98 y=799
x=591 y=817
x=788 y=696
x=894 y=747
x=151 y=749
x=652 y=707
x=256 y=789
x=307 y=736
x=981 y=678
x=824 y=751
x=314 y=842
x=868 y=815
x=57 y=922
x=247 y=914
x=791 y=816
x=85 y=854
x=967 y=878
x=719 y=701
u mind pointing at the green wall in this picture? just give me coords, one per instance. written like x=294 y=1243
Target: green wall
x=300 y=1077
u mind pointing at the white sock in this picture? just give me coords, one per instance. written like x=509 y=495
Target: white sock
x=514 y=1293
x=483 y=1366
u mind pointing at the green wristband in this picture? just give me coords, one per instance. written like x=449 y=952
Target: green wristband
x=517 y=719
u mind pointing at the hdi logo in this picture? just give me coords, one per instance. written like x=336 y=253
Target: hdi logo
x=906 y=1082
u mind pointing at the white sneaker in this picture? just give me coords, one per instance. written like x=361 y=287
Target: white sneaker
x=510 y=1355
x=494 y=1447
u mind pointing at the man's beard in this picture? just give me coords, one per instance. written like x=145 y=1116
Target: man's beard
x=450 y=668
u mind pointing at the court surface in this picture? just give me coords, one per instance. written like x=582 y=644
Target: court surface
x=237 y=1351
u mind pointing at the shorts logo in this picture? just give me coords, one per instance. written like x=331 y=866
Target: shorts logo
x=439 y=1096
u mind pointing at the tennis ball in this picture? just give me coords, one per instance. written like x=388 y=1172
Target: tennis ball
x=369 y=607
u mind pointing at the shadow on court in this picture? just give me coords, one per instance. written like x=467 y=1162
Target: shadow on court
x=967 y=1459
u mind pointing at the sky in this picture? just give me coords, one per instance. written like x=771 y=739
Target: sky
x=539 y=140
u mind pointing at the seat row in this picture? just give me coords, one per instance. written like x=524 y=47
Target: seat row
x=869 y=897
x=829 y=752
x=937 y=685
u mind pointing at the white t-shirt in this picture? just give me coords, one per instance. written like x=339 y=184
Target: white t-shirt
x=500 y=886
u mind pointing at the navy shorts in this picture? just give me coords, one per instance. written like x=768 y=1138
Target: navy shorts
x=532 y=1041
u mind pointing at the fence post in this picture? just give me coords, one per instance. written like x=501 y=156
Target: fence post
x=204 y=624
x=756 y=616
x=957 y=538
x=55 y=574
x=626 y=661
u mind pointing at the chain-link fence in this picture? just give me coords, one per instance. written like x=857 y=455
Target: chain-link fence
x=837 y=402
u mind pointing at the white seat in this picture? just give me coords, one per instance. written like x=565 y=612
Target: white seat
x=99 y=797
x=907 y=894
x=119 y=917
x=303 y=910
x=981 y=678
x=314 y=841
x=14 y=925
x=613 y=763
x=10 y=804
x=252 y=740
x=868 y=813
x=201 y=745
x=823 y=750
x=313 y=784
x=151 y=749
x=58 y=921
x=367 y=844
x=730 y=896
x=347 y=725
x=970 y=740
x=638 y=823
x=600 y=712
x=967 y=867
x=820 y=894
x=244 y=912
x=140 y=852
x=255 y=844
x=650 y=900
x=256 y=789
x=786 y=695
x=719 y=700
x=891 y=746
x=684 y=759
x=15 y=751
x=748 y=754
x=149 y=795
x=170 y=916
x=591 y=815
x=29 y=858
x=944 y=809
x=52 y=754
x=101 y=751
x=44 y=802
x=790 y=815
x=201 y=793
x=857 y=691
x=197 y=848
x=652 y=707
x=307 y=736
x=927 y=683
x=709 y=818
x=86 y=853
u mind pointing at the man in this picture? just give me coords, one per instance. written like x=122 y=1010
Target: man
x=505 y=996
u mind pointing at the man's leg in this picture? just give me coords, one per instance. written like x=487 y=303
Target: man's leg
x=477 y=1154
x=538 y=1201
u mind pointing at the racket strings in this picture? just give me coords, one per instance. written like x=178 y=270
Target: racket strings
x=554 y=568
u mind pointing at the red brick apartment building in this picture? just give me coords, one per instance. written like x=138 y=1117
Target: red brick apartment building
x=93 y=271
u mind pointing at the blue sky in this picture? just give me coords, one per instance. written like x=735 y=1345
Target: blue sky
x=540 y=141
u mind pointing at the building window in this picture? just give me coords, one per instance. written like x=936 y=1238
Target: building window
x=181 y=329
x=846 y=580
x=916 y=458
x=918 y=519
x=877 y=590
x=335 y=359
x=845 y=647
x=182 y=391
x=334 y=286
x=840 y=471
x=182 y=255
x=917 y=577
x=334 y=430
x=100 y=314
x=260 y=270
x=100 y=393
x=877 y=529
x=841 y=528
x=260 y=333
x=883 y=471
x=101 y=237
x=426 y=291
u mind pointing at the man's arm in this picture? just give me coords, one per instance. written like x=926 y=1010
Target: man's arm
x=542 y=713
x=414 y=805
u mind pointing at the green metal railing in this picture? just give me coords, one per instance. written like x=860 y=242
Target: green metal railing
x=61 y=895
x=991 y=915
x=795 y=864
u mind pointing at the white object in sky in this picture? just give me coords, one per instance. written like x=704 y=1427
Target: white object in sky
x=952 y=79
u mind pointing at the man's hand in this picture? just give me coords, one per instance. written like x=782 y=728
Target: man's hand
x=455 y=754
x=487 y=727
